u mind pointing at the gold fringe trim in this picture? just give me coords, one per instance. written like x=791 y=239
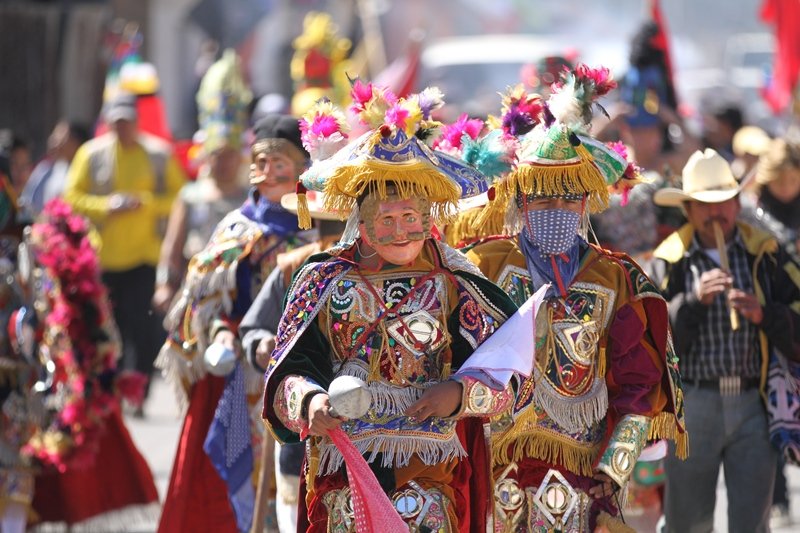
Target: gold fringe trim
x=303 y=214
x=571 y=178
x=412 y=180
x=613 y=524
x=601 y=362
x=466 y=229
x=312 y=455
x=665 y=426
x=548 y=448
x=555 y=180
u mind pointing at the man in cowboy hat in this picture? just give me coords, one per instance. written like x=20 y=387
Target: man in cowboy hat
x=732 y=301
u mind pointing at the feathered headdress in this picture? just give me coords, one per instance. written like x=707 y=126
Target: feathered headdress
x=390 y=152
x=558 y=156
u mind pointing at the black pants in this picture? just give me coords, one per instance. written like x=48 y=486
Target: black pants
x=140 y=328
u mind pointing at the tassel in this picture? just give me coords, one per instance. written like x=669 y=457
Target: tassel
x=303 y=214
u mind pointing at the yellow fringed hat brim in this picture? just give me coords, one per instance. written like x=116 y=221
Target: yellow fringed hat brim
x=415 y=179
x=466 y=228
x=579 y=177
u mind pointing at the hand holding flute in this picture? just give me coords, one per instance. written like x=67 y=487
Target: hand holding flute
x=719 y=236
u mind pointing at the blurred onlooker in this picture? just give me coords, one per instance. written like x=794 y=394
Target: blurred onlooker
x=125 y=181
x=643 y=120
x=774 y=203
x=20 y=163
x=48 y=178
x=222 y=100
x=748 y=145
x=720 y=123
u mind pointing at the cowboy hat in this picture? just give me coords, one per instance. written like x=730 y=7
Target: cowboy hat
x=315 y=201
x=707 y=178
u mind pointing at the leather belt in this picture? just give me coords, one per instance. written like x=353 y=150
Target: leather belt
x=727 y=385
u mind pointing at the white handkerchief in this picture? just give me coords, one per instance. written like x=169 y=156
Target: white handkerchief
x=509 y=350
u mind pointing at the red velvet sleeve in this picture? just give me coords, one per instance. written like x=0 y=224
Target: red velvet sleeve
x=635 y=369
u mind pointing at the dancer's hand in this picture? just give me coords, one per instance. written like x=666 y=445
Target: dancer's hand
x=443 y=399
x=264 y=350
x=320 y=420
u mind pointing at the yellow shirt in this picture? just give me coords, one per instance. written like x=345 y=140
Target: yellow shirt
x=132 y=238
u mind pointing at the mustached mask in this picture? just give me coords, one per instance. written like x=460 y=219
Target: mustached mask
x=553 y=231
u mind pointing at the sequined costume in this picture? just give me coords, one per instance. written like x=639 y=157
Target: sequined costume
x=605 y=383
x=605 y=377
x=221 y=282
x=401 y=330
x=214 y=475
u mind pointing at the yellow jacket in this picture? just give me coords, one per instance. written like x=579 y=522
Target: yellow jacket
x=102 y=167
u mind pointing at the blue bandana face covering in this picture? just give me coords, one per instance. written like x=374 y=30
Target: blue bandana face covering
x=554 y=230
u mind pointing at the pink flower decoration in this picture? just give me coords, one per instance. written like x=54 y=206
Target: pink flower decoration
x=396 y=115
x=453 y=133
x=361 y=94
x=131 y=386
x=620 y=148
x=599 y=77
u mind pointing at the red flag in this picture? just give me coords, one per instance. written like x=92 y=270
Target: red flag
x=661 y=42
x=785 y=16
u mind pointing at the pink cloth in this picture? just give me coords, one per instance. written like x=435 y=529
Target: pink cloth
x=372 y=508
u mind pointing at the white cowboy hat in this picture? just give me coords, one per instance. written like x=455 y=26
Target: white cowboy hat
x=315 y=200
x=707 y=178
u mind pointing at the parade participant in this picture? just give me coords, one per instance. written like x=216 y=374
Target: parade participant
x=319 y=64
x=733 y=298
x=605 y=378
x=772 y=205
x=397 y=309
x=201 y=355
x=222 y=99
x=125 y=182
x=258 y=330
x=21 y=411
x=82 y=449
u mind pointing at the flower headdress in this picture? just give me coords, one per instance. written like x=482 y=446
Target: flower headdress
x=390 y=152
x=493 y=155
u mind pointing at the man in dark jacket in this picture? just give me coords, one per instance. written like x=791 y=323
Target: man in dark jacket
x=733 y=299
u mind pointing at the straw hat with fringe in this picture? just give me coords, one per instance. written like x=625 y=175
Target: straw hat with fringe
x=392 y=151
x=558 y=157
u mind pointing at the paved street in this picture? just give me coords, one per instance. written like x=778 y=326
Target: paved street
x=157 y=435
